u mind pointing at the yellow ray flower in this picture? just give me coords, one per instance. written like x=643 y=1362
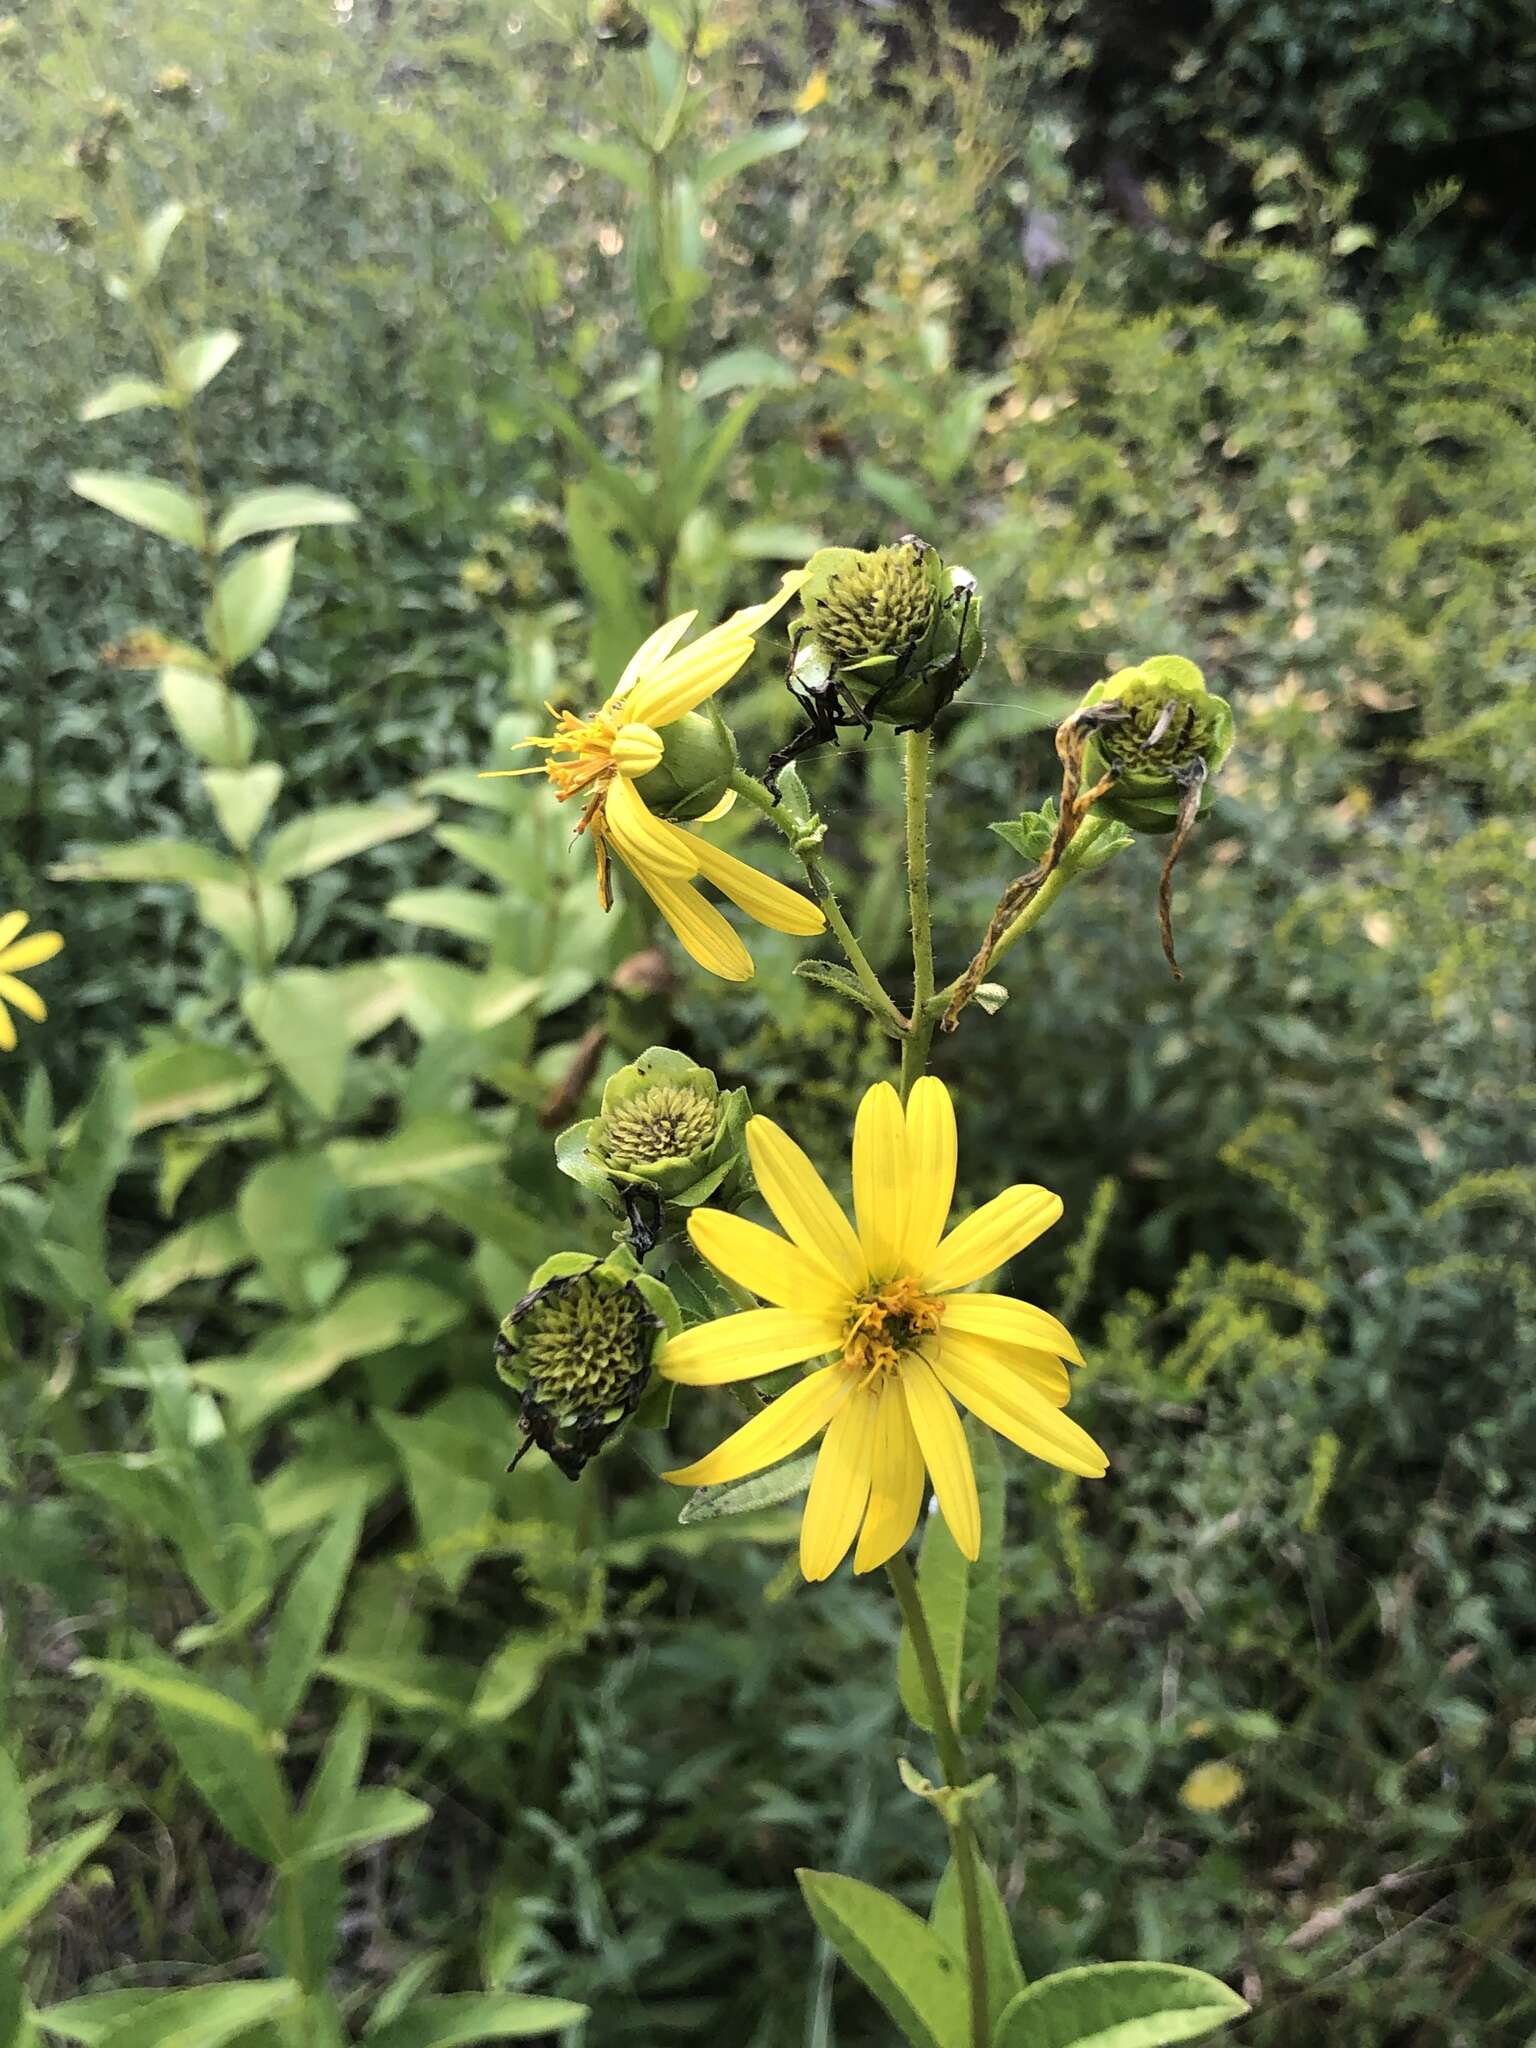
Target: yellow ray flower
x=881 y=1300
x=602 y=758
x=16 y=953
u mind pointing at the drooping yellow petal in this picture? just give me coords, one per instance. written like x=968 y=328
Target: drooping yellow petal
x=644 y=842
x=931 y=1154
x=1005 y=1362
x=780 y=908
x=27 y=1000
x=839 y=1493
x=756 y=616
x=880 y=1178
x=783 y=1426
x=7 y=1031
x=990 y=1235
x=650 y=653
x=31 y=952
x=768 y=1265
x=941 y=1439
x=742 y=1347
x=1024 y=1417
x=712 y=817
x=802 y=1204
x=1006 y=1321
x=896 y=1482
x=14 y=921
x=701 y=931
x=684 y=680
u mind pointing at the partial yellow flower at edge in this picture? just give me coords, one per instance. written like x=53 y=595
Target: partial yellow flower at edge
x=879 y=1298
x=812 y=93
x=15 y=954
x=604 y=757
x=1212 y=1786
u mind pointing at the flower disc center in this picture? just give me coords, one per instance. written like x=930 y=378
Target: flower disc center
x=887 y=1323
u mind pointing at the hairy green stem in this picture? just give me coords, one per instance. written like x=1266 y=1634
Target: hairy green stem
x=1029 y=916
x=962 y=1837
x=919 y=1033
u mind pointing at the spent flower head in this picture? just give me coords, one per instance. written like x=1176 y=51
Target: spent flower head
x=890 y=632
x=1162 y=729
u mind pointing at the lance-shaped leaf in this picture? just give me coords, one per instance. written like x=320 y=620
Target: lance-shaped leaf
x=48 y=1873
x=197 y=362
x=286 y=505
x=962 y=1603
x=145 y=501
x=123 y=394
x=915 y=1975
x=1117 y=2005
x=250 y=599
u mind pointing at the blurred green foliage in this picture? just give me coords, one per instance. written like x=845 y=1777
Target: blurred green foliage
x=253 y=1266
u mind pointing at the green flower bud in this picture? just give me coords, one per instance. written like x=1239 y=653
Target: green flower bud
x=1169 y=723
x=892 y=629
x=579 y=1351
x=698 y=759
x=665 y=1125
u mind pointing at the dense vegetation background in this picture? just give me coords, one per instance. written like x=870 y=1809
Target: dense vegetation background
x=1198 y=347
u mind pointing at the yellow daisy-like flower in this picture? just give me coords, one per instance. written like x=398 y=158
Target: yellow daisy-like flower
x=16 y=953
x=602 y=759
x=883 y=1301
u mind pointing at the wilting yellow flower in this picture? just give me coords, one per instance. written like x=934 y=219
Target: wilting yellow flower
x=603 y=758
x=16 y=953
x=883 y=1302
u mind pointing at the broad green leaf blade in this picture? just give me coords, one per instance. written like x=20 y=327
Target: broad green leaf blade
x=297 y=1018
x=214 y=721
x=171 y=2019
x=144 y=501
x=962 y=1602
x=180 y=1695
x=1117 y=2005
x=917 y=1978
x=149 y=860
x=743 y=1496
x=205 y=1250
x=123 y=394
x=305 y=1618
x=379 y=1814
x=190 y=1077
x=425 y=1149
x=197 y=362
x=512 y=1676
x=250 y=599
x=456 y=2021
x=241 y=799
x=752 y=148
x=50 y=1872
x=15 y=1825
x=1005 y=1977
x=286 y=505
x=305 y=845
x=630 y=166
x=256 y=918
x=155 y=237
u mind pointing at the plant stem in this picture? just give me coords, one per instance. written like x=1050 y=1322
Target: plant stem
x=821 y=887
x=919 y=1034
x=1028 y=917
x=962 y=1837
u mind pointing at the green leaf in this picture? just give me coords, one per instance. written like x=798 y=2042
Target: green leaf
x=197 y=362
x=48 y=1873
x=286 y=505
x=753 y=148
x=423 y=1149
x=255 y=918
x=467 y=913
x=181 y=1695
x=743 y=1496
x=214 y=721
x=1005 y=1978
x=321 y=838
x=155 y=236
x=144 y=501
x=451 y=1500
x=207 y=2018
x=377 y=1815
x=436 y=1686
x=291 y=1209
x=123 y=394
x=512 y=1676
x=304 y=1620
x=917 y=1978
x=630 y=166
x=15 y=1828
x=298 y=1019
x=750 y=369
x=706 y=465
x=842 y=981
x=250 y=599
x=204 y=1250
x=461 y=2018
x=149 y=860
x=1117 y=2005
x=190 y=1077
x=962 y=1602
x=241 y=799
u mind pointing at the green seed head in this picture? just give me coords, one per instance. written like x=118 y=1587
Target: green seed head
x=876 y=604
x=1169 y=725
x=661 y=1123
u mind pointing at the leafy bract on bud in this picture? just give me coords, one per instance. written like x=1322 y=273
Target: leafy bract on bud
x=693 y=776
x=1171 y=732
x=579 y=1351
x=664 y=1125
x=892 y=629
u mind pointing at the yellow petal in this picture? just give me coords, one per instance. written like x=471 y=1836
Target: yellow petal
x=770 y=902
x=7 y=1031
x=645 y=843
x=896 y=1483
x=756 y=616
x=801 y=1204
x=1006 y=1321
x=649 y=654
x=31 y=952
x=1037 y=1369
x=701 y=931
x=14 y=921
x=768 y=1265
x=741 y=1347
x=1024 y=1417
x=931 y=1154
x=989 y=1237
x=683 y=682
x=27 y=1000
x=783 y=1426
x=941 y=1439
x=880 y=1176
x=839 y=1493
x=726 y=803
